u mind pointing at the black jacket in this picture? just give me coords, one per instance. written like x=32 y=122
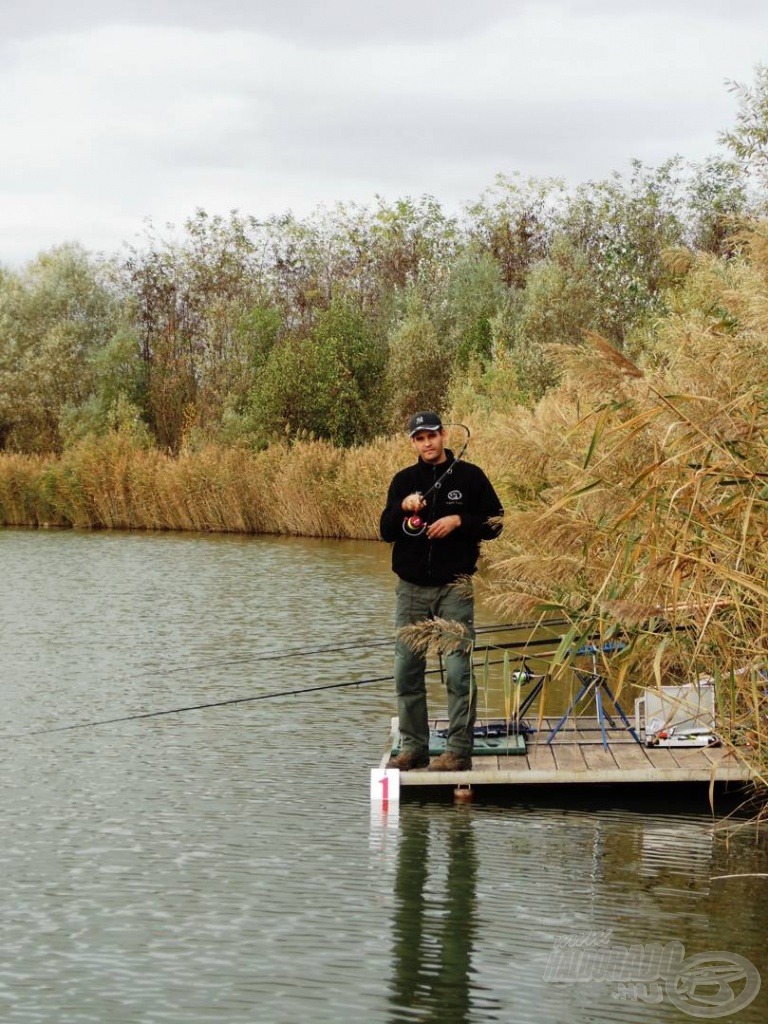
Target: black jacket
x=464 y=490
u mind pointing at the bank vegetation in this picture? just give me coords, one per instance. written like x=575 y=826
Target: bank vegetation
x=608 y=347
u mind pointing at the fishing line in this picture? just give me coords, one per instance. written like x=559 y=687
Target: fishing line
x=273 y=695
x=303 y=652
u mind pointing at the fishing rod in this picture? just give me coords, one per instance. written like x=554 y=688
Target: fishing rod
x=438 y=483
x=195 y=707
x=272 y=695
x=303 y=652
x=524 y=678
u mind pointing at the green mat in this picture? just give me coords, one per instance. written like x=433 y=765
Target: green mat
x=484 y=745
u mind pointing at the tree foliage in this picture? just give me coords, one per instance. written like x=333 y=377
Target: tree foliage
x=327 y=383
x=238 y=330
x=748 y=139
x=55 y=316
x=418 y=369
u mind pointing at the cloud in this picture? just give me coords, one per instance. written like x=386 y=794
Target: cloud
x=318 y=23
x=117 y=122
x=344 y=22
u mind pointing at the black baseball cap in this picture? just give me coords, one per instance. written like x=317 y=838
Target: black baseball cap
x=424 y=421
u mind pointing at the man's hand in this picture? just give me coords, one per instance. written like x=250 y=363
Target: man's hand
x=442 y=527
x=413 y=503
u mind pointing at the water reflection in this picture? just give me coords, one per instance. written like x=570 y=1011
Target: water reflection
x=435 y=917
x=482 y=899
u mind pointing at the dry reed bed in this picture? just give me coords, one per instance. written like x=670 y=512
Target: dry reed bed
x=641 y=499
x=308 y=489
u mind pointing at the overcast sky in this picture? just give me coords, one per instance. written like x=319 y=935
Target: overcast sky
x=115 y=111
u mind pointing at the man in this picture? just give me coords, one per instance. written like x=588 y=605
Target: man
x=437 y=512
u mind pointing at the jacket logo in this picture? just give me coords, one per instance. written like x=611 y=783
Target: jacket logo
x=454 y=496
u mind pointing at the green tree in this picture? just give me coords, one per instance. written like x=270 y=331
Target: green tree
x=514 y=221
x=328 y=384
x=190 y=300
x=418 y=370
x=748 y=139
x=623 y=227
x=718 y=205
x=411 y=242
x=56 y=315
x=298 y=268
x=118 y=393
x=358 y=356
x=465 y=307
x=561 y=299
x=258 y=331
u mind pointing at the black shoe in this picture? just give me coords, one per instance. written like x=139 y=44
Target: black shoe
x=451 y=762
x=408 y=760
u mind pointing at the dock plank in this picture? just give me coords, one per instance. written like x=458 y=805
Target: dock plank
x=661 y=758
x=728 y=759
x=541 y=758
x=721 y=756
x=576 y=756
x=569 y=758
x=691 y=757
x=631 y=755
x=597 y=758
x=717 y=754
x=487 y=763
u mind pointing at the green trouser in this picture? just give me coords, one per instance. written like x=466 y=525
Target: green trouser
x=416 y=604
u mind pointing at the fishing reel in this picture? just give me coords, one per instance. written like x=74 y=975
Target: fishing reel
x=414 y=525
x=522 y=676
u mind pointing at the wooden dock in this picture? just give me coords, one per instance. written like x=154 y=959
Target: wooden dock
x=576 y=755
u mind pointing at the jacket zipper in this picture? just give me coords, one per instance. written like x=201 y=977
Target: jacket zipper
x=433 y=499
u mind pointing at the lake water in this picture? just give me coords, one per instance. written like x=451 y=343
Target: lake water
x=224 y=865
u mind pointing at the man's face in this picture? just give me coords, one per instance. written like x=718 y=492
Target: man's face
x=430 y=445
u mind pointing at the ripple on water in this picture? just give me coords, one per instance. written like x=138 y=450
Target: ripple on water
x=224 y=865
